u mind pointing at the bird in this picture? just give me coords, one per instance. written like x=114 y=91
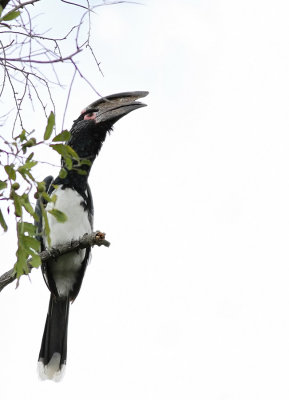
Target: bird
x=72 y=196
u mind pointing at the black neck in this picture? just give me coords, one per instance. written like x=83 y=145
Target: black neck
x=73 y=180
x=86 y=140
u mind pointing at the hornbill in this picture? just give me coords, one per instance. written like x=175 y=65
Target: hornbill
x=63 y=276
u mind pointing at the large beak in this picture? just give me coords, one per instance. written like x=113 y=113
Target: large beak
x=111 y=108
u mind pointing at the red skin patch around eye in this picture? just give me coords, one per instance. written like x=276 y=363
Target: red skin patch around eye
x=91 y=115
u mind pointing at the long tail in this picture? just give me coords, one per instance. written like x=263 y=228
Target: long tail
x=52 y=356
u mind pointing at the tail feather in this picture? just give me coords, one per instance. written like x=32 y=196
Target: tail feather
x=53 y=351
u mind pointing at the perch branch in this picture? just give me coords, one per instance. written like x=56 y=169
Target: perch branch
x=87 y=240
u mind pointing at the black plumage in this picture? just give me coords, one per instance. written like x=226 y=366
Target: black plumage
x=64 y=275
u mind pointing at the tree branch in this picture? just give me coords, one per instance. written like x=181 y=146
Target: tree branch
x=87 y=240
x=29 y=60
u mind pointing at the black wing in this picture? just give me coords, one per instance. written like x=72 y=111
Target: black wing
x=81 y=272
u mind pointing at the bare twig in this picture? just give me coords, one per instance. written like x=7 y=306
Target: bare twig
x=67 y=100
x=85 y=79
x=31 y=60
x=87 y=240
x=74 y=4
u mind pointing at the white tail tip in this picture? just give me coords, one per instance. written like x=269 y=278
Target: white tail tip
x=53 y=370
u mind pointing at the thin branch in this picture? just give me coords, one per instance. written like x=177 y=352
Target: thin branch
x=95 y=59
x=38 y=36
x=74 y=4
x=87 y=240
x=86 y=80
x=30 y=60
x=68 y=97
x=113 y=3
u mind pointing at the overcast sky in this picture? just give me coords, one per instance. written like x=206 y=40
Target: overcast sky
x=191 y=301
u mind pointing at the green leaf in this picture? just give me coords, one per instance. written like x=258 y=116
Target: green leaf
x=81 y=171
x=10 y=16
x=68 y=163
x=30 y=156
x=72 y=152
x=85 y=162
x=29 y=228
x=10 y=171
x=67 y=153
x=2 y=222
x=63 y=173
x=64 y=136
x=46 y=197
x=26 y=173
x=22 y=136
x=35 y=260
x=41 y=187
x=27 y=205
x=49 y=126
x=59 y=215
x=46 y=223
x=29 y=164
x=53 y=198
x=3 y=185
x=25 y=168
x=20 y=266
x=1 y=10
x=65 y=150
x=17 y=204
x=30 y=243
x=60 y=148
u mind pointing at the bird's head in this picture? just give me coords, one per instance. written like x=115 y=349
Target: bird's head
x=110 y=109
x=89 y=130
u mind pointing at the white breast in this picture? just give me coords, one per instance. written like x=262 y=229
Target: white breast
x=65 y=267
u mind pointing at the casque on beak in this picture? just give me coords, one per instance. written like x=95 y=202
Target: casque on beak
x=111 y=108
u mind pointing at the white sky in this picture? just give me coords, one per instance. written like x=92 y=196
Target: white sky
x=191 y=300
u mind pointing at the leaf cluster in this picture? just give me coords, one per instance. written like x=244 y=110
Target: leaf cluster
x=32 y=64
x=19 y=189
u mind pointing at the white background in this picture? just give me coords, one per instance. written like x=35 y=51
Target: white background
x=191 y=301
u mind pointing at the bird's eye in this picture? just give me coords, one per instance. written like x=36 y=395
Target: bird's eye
x=89 y=114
